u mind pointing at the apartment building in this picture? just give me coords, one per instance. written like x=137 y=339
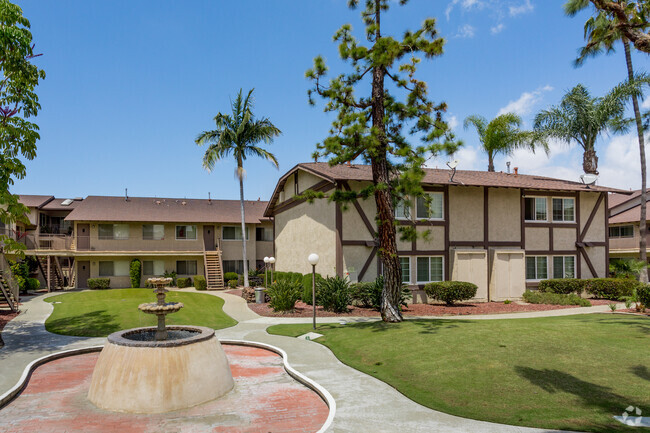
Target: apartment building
x=78 y=239
x=624 y=216
x=504 y=232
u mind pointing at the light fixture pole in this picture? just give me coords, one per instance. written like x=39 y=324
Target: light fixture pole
x=266 y=272
x=272 y=262
x=313 y=261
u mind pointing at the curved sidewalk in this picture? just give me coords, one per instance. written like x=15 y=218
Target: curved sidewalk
x=363 y=402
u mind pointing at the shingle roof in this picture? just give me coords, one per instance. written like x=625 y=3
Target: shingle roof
x=152 y=209
x=34 y=200
x=632 y=215
x=617 y=199
x=57 y=204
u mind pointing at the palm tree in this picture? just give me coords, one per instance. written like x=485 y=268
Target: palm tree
x=601 y=34
x=238 y=134
x=582 y=119
x=502 y=135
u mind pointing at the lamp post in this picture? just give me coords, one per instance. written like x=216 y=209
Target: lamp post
x=272 y=262
x=313 y=261
x=266 y=272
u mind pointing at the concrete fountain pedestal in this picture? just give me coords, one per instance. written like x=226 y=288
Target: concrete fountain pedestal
x=160 y=369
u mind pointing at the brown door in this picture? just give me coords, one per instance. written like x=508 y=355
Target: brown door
x=208 y=238
x=83 y=236
x=83 y=273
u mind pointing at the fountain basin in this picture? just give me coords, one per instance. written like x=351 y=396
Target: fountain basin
x=135 y=373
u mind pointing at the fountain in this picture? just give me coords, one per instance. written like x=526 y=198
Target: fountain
x=160 y=369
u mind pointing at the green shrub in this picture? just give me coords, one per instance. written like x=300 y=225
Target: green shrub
x=99 y=283
x=253 y=281
x=20 y=272
x=284 y=294
x=306 y=288
x=554 y=298
x=135 y=273
x=172 y=275
x=611 y=288
x=33 y=284
x=230 y=276
x=643 y=295
x=368 y=294
x=232 y=284
x=563 y=285
x=451 y=291
x=334 y=294
x=288 y=276
x=200 y=283
x=183 y=282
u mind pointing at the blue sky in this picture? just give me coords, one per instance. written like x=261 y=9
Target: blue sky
x=130 y=85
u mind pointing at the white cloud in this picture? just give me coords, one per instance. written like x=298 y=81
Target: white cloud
x=466 y=31
x=619 y=164
x=452 y=122
x=520 y=9
x=497 y=29
x=464 y=4
x=526 y=102
x=646 y=104
x=467 y=156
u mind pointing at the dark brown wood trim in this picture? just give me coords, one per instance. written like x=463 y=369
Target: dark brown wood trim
x=423 y=253
x=466 y=243
x=522 y=220
x=505 y=244
x=592 y=215
x=550 y=238
x=366 y=265
x=431 y=188
x=486 y=223
x=322 y=186
x=339 y=240
x=446 y=225
x=359 y=243
x=579 y=256
x=482 y=244
x=551 y=252
x=545 y=193
x=591 y=244
x=422 y=223
x=588 y=262
x=274 y=253
x=551 y=225
x=361 y=213
x=606 y=234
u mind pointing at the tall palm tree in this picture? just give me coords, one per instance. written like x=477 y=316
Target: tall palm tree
x=582 y=118
x=238 y=134
x=502 y=135
x=601 y=34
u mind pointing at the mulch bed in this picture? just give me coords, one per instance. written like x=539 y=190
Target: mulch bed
x=633 y=311
x=304 y=310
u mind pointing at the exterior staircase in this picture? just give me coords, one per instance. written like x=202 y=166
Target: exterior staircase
x=213 y=269
x=52 y=274
x=9 y=292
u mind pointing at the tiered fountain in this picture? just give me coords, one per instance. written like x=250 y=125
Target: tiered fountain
x=160 y=369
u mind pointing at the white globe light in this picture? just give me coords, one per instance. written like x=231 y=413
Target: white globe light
x=271 y=260
x=313 y=259
x=266 y=259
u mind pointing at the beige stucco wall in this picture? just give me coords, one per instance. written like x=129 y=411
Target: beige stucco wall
x=465 y=213
x=504 y=211
x=435 y=239
x=596 y=231
x=302 y=230
x=305 y=181
x=597 y=257
x=564 y=238
x=354 y=257
x=471 y=265
x=537 y=238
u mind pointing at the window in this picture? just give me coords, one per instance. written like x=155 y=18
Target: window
x=186 y=232
x=233 y=233
x=119 y=268
x=621 y=232
x=536 y=268
x=154 y=268
x=233 y=266
x=564 y=209
x=405 y=263
x=186 y=267
x=113 y=231
x=564 y=267
x=429 y=206
x=429 y=269
x=403 y=210
x=153 y=232
x=263 y=234
x=535 y=208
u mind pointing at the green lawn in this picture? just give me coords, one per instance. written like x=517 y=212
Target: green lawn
x=571 y=373
x=101 y=312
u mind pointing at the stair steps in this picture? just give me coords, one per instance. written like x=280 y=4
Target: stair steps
x=213 y=269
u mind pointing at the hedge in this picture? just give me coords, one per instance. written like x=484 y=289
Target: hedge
x=200 y=283
x=611 y=288
x=643 y=295
x=184 y=282
x=563 y=285
x=99 y=283
x=230 y=276
x=290 y=276
x=554 y=298
x=135 y=273
x=451 y=291
x=307 y=289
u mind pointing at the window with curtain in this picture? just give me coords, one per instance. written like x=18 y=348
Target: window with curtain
x=236 y=266
x=263 y=234
x=186 y=267
x=154 y=268
x=233 y=233
x=429 y=269
x=113 y=231
x=430 y=206
x=153 y=232
x=186 y=232
x=535 y=209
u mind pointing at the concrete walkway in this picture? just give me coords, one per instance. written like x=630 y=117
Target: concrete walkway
x=363 y=402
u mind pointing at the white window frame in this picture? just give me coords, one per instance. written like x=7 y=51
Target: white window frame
x=536 y=197
x=575 y=263
x=408 y=209
x=563 y=220
x=442 y=208
x=235 y=240
x=410 y=269
x=429 y=257
x=196 y=232
x=536 y=273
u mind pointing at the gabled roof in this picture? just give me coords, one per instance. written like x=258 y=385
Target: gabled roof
x=632 y=215
x=355 y=172
x=616 y=199
x=154 y=209
x=35 y=200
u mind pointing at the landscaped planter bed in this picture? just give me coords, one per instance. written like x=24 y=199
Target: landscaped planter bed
x=304 y=310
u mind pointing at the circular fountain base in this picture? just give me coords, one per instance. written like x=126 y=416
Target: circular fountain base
x=137 y=374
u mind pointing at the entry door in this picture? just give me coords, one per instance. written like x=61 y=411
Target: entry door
x=83 y=236
x=208 y=238
x=83 y=273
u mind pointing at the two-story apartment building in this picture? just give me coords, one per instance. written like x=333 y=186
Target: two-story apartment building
x=504 y=232
x=624 y=216
x=100 y=236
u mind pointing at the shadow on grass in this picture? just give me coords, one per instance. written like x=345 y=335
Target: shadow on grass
x=94 y=324
x=641 y=371
x=640 y=323
x=425 y=326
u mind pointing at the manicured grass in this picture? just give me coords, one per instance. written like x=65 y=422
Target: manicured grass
x=570 y=373
x=101 y=312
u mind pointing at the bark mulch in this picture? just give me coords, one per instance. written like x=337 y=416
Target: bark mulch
x=304 y=310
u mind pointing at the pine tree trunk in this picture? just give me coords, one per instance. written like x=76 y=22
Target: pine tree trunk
x=240 y=174
x=643 y=255
x=590 y=161
x=390 y=296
